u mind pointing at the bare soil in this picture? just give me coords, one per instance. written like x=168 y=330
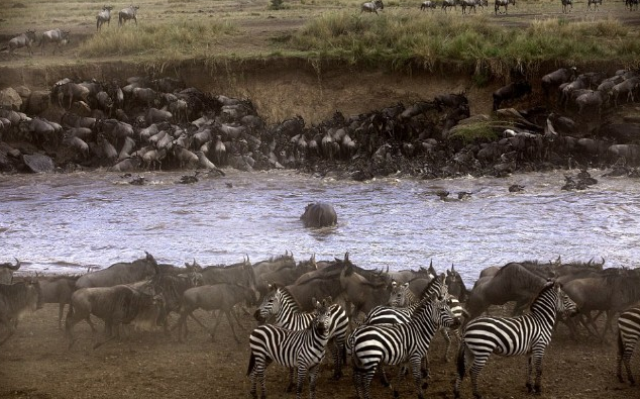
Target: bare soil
x=36 y=363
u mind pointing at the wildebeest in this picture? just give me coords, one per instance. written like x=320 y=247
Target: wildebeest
x=372 y=6
x=626 y=87
x=513 y=282
x=103 y=16
x=58 y=289
x=120 y=273
x=56 y=36
x=503 y=3
x=554 y=79
x=428 y=4
x=449 y=3
x=612 y=291
x=222 y=297
x=455 y=285
x=6 y=272
x=595 y=4
x=15 y=300
x=319 y=214
x=128 y=13
x=116 y=305
x=511 y=91
x=566 y=4
x=23 y=40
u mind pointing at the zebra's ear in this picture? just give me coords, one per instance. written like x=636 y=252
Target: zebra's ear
x=405 y=285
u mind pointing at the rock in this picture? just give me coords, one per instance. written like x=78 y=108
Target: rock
x=38 y=163
x=24 y=92
x=10 y=98
x=38 y=102
x=474 y=119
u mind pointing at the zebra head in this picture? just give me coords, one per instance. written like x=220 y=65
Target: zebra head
x=270 y=305
x=322 y=321
x=565 y=306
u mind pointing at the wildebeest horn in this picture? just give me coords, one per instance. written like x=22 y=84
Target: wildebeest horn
x=313 y=260
x=453 y=269
x=602 y=261
x=16 y=267
x=346 y=256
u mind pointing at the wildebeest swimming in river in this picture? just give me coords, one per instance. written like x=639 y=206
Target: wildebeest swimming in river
x=319 y=214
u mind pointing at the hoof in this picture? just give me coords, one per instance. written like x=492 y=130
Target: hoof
x=396 y=394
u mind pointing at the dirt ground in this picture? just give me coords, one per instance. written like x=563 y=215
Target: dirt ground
x=36 y=363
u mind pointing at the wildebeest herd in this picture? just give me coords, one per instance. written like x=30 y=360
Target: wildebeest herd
x=368 y=319
x=160 y=123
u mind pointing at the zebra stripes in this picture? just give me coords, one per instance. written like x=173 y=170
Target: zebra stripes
x=279 y=303
x=628 y=336
x=302 y=349
x=510 y=336
x=393 y=315
x=375 y=345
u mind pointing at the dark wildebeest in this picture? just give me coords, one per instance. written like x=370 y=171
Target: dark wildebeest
x=362 y=293
x=428 y=4
x=128 y=13
x=456 y=286
x=172 y=286
x=372 y=6
x=24 y=40
x=612 y=291
x=449 y=3
x=56 y=36
x=120 y=304
x=221 y=296
x=566 y=4
x=6 y=272
x=15 y=300
x=103 y=16
x=513 y=282
x=319 y=214
x=58 y=289
x=120 y=273
x=285 y=275
x=511 y=91
x=595 y=4
x=503 y=3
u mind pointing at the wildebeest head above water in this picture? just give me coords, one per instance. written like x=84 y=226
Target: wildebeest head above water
x=319 y=214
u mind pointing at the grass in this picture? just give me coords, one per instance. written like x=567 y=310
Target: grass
x=180 y=39
x=431 y=39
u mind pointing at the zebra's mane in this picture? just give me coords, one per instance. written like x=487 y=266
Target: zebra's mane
x=288 y=298
x=432 y=283
x=549 y=285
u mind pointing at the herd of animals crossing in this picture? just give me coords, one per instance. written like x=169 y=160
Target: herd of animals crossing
x=369 y=320
x=60 y=37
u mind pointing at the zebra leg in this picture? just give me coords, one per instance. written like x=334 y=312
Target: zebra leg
x=461 y=365
x=292 y=371
x=302 y=374
x=529 y=384
x=476 y=368
x=313 y=378
x=366 y=383
x=621 y=354
x=416 y=366
x=537 y=361
x=445 y=335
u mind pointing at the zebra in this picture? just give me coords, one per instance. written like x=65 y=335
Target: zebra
x=401 y=296
x=510 y=336
x=628 y=336
x=279 y=303
x=375 y=345
x=396 y=315
x=303 y=349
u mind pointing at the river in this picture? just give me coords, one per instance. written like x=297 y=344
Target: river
x=63 y=223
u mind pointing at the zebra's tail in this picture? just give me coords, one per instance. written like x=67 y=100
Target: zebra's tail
x=461 y=359
x=252 y=363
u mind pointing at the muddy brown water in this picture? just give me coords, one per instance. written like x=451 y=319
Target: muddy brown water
x=63 y=223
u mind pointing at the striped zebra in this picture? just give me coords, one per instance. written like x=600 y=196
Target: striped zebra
x=279 y=303
x=302 y=349
x=628 y=336
x=398 y=315
x=375 y=345
x=528 y=334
